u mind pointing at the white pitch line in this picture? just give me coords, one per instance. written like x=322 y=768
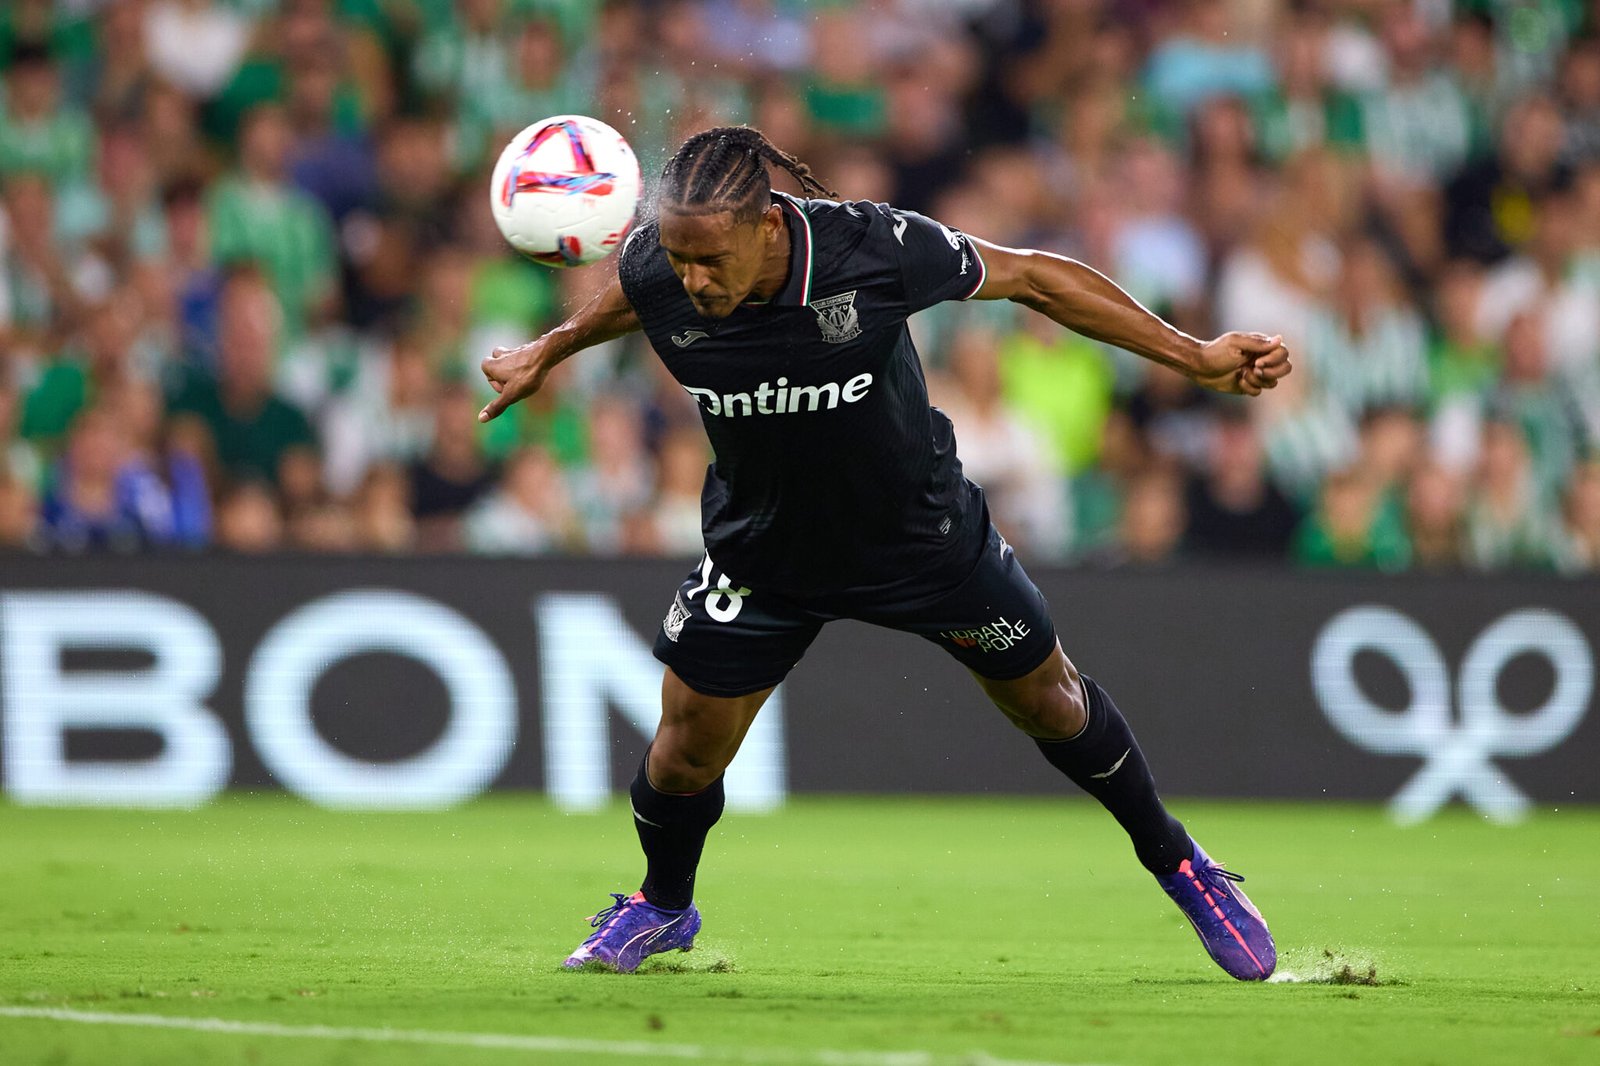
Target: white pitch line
x=515 y=1042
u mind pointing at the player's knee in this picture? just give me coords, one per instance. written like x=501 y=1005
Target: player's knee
x=679 y=769
x=1048 y=703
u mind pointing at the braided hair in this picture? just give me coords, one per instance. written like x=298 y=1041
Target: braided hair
x=725 y=169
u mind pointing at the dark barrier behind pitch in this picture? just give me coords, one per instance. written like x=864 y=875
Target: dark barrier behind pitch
x=1239 y=683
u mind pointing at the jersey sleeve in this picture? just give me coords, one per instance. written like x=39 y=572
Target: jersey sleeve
x=633 y=262
x=937 y=263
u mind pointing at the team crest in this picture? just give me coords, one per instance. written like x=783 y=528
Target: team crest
x=837 y=318
x=677 y=614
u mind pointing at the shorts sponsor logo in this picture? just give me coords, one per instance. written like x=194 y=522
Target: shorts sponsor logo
x=998 y=635
x=677 y=614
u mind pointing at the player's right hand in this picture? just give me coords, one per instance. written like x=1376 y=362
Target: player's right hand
x=514 y=373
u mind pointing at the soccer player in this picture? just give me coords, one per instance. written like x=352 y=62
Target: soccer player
x=836 y=493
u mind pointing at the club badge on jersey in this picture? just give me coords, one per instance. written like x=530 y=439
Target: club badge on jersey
x=837 y=318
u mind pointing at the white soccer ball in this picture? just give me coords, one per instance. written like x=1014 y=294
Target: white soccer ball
x=565 y=190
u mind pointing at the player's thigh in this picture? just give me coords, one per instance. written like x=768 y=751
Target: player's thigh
x=725 y=639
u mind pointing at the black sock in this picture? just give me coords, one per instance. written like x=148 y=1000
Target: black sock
x=672 y=831
x=1105 y=761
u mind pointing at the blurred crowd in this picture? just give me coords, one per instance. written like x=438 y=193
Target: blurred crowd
x=247 y=267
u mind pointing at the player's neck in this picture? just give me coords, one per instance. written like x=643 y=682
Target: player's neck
x=774 y=270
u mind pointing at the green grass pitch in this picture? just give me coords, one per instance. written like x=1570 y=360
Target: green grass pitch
x=962 y=930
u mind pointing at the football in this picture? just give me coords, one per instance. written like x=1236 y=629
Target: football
x=565 y=190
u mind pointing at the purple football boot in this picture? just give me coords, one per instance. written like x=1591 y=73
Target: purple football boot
x=1232 y=930
x=631 y=930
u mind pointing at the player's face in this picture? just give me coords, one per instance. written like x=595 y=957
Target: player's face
x=719 y=259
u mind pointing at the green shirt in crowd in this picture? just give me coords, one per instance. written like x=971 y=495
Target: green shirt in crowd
x=248 y=445
x=1383 y=545
x=60 y=147
x=1063 y=388
x=285 y=231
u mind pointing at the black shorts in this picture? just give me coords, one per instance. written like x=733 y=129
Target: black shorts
x=723 y=638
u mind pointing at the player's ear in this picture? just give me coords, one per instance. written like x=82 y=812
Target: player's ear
x=771 y=222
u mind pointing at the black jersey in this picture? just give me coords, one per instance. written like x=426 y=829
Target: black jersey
x=833 y=474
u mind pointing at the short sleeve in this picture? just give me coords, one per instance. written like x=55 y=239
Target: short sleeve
x=937 y=263
x=633 y=260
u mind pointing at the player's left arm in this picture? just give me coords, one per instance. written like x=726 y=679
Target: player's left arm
x=1086 y=301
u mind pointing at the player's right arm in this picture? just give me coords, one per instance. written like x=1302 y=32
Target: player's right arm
x=516 y=373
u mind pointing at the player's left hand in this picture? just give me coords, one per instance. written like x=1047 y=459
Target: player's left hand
x=1242 y=363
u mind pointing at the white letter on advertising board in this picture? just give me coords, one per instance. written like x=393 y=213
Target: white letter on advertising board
x=476 y=743
x=590 y=658
x=43 y=701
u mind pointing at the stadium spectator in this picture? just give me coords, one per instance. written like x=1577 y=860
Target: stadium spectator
x=255 y=433
x=465 y=52
x=1291 y=259
x=1542 y=403
x=1489 y=204
x=118 y=214
x=1508 y=520
x=124 y=75
x=248 y=519
x=322 y=526
x=1391 y=442
x=19 y=515
x=169 y=124
x=256 y=215
x=1580 y=99
x=1578 y=542
x=195 y=45
x=383 y=520
x=100 y=359
x=1463 y=362
x=1153 y=519
x=1354 y=525
x=139 y=408
x=1235 y=511
x=45 y=289
x=453 y=475
x=540 y=81
x=1434 y=518
x=1099 y=492
x=1307 y=110
x=1201 y=60
x=1417 y=128
x=39 y=132
x=22 y=459
x=1061 y=384
x=330 y=157
x=101 y=498
x=1156 y=253
x=386 y=415
x=1366 y=346
x=617 y=479
x=529 y=514
x=1229 y=183
x=1540 y=279
x=675 y=513
x=1003 y=452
